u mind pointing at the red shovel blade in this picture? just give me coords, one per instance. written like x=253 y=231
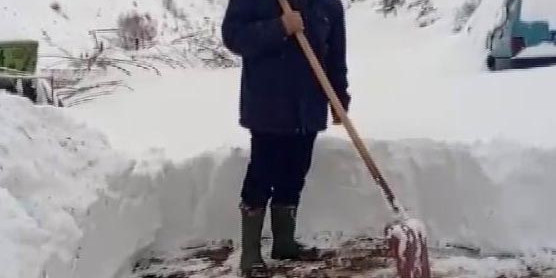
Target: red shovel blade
x=408 y=245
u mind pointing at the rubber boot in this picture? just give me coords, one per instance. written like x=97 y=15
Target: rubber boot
x=251 y=262
x=284 y=246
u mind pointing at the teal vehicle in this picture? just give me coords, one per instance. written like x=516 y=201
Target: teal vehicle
x=526 y=32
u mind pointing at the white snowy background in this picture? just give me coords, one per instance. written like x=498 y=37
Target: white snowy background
x=156 y=164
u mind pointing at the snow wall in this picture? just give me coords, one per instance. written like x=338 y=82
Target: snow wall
x=72 y=207
x=496 y=196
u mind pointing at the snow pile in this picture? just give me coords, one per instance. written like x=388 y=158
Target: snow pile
x=33 y=172
x=60 y=199
x=20 y=238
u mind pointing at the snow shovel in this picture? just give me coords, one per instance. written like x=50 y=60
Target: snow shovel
x=406 y=237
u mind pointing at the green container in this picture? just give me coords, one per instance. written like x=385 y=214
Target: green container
x=18 y=56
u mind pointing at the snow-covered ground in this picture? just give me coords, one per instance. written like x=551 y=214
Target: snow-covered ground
x=64 y=25
x=469 y=152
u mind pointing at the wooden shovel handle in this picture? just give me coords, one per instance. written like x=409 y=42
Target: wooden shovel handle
x=341 y=112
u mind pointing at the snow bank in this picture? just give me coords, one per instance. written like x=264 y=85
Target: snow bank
x=20 y=237
x=476 y=208
x=65 y=210
x=465 y=194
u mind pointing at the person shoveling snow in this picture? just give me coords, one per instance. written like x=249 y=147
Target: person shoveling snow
x=283 y=105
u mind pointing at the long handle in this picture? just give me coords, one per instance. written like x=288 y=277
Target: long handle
x=341 y=112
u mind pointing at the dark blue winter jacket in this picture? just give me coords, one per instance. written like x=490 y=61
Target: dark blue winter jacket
x=279 y=92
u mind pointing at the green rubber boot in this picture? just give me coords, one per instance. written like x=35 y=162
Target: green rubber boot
x=284 y=246
x=251 y=262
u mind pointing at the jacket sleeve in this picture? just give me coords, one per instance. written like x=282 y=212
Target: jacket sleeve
x=247 y=36
x=336 y=59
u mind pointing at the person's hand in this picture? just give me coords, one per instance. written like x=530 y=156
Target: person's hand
x=345 y=101
x=335 y=118
x=293 y=22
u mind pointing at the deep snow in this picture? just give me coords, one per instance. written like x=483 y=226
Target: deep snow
x=51 y=171
x=483 y=176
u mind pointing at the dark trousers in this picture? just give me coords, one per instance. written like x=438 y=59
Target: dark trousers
x=277 y=170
